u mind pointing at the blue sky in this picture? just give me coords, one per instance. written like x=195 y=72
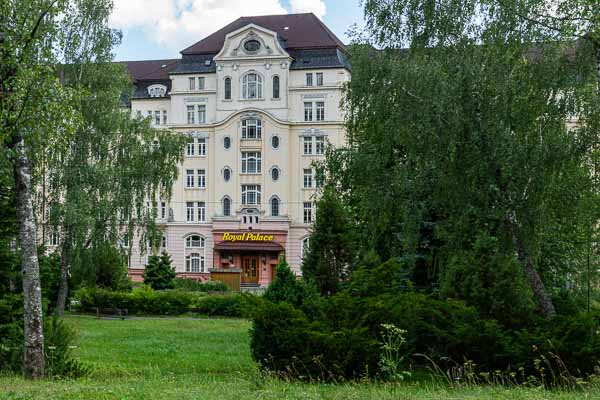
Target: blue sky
x=156 y=29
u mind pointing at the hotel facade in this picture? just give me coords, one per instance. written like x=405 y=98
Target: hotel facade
x=260 y=99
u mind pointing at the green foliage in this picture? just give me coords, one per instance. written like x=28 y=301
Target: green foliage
x=192 y=285
x=102 y=265
x=58 y=344
x=286 y=287
x=159 y=273
x=165 y=302
x=49 y=276
x=11 y=331
x=328 y=260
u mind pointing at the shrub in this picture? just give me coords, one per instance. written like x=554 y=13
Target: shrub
x=287 y=288
x=100 y=266
x=11 y=331
x=191 y=285
x=159 y=272
x=58 y=343
x=167 y=302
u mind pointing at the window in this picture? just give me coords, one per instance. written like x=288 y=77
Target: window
x=251 y=128
x=250 y=194
x=189 y=182
x=155 y=144
x=201 y=114
x=320 y=111
x=150 y=113
x=190 y=212
x=275 y=142
x=138 y=114
x=308 y=178
x=163 y=209
x=194 y=242
x=251 y=162
x=308 y=217
x=202 y=147
x=252 y=86
x=54 y=238
x=164 y=117
x=201 y=178
x=304 y=246
x=192 y=83
x=201 y=82
x=275 y=174
x=227 y=89
x=190 y=115
x=307 y=145
x=309 y=79
x=319 y=145
x=125 y=241
x=194 y=263
x=275 y=87
x=226 y=207
x=308 y=111
x=226 y=142
x=275 y=207
x=156 y=117
x=163 y=242
x=227 y=174
x=191 y=147
x=201 y=211
x=319 y=79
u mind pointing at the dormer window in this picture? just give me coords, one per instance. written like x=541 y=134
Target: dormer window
x=252 y=45
x=157 y=91
x=252 y=86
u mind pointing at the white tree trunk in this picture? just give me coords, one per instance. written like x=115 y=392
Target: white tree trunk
x=33 y=357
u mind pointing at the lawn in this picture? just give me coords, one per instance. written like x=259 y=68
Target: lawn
x=181 y=358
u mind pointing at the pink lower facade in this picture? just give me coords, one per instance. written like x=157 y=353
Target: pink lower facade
x=207 y=251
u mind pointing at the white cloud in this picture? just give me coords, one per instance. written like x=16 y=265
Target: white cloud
x=314 y=6
x=176 y=24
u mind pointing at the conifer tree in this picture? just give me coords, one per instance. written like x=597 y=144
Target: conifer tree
x=328 y=260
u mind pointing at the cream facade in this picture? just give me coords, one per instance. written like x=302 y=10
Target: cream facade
x=257 y=120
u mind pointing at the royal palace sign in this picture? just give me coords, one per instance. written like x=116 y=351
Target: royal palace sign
x=246 y=237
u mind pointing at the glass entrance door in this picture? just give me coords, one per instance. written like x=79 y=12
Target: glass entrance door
x=250 y=269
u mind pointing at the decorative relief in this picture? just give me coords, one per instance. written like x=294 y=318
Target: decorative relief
x=314 y=96
x=199 y=135
x=313 y=132
x=195 y=100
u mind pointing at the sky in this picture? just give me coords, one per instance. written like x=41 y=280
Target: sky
x=159 y=29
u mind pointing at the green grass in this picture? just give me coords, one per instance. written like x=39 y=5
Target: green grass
x=181 y=358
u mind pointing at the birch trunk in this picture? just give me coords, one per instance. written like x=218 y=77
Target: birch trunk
x=33 y=357
x=533 y=277
x=63 y=288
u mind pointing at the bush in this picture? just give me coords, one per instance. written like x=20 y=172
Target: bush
x=100 y=266
x=167 y=302
x=343 y=338
x=191 y=285
x=11 y=331
x=287 y=288
x=58 y=343
x=159 y=272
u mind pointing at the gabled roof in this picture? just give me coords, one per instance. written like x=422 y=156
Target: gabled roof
x=295 y=31
x=151 y=69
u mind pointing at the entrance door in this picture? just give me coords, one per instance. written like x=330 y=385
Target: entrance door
x=250 y=269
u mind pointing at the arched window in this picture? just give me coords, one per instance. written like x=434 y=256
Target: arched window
x=227 y=142
x=304 y=246
x=194 y=242
x=274 y=206
x=227 y=88
x=194 y=262
x=252 y=86
x=226 y=207
x=275 y=87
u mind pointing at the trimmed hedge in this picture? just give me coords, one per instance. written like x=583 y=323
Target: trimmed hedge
x=168 y=302
x=191 y=285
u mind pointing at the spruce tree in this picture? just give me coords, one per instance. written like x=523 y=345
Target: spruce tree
x=159 y=273
x=329 y=257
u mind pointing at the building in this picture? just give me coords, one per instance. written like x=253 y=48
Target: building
x=261 y=99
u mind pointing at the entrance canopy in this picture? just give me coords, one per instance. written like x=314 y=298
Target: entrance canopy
x=251 y=246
